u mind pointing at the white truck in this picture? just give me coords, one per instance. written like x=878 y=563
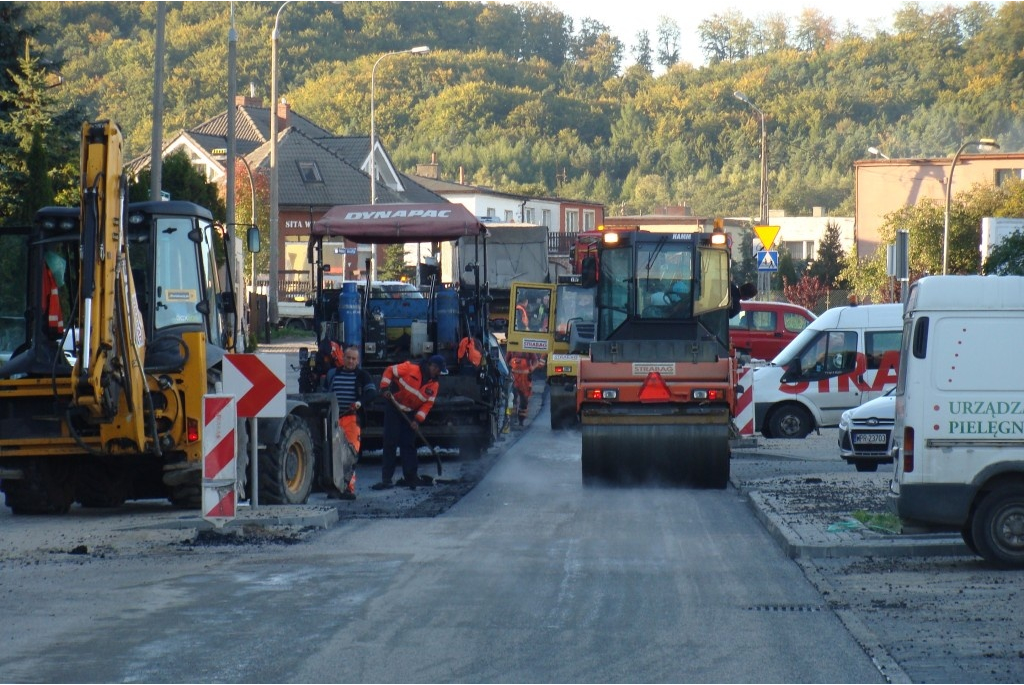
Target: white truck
x=845 y=357
x=958 y=440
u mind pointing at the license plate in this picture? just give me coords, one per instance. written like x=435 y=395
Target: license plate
x=870 y=438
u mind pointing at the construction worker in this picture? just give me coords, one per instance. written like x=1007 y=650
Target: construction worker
x=522 y=320
x=541 y=313
x=53 y=278
x=353 y=387
x=469 y=354
x=522 y=364
x=410 y=389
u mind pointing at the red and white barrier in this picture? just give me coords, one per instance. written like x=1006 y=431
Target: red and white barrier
x=745 y=402
x=220 y=462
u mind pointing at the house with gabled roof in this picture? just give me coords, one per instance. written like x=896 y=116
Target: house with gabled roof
x=316 y=170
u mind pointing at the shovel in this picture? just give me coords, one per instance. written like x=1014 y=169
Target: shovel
x=416 y=428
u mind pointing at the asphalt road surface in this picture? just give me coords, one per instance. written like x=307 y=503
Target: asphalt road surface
x=528 y=578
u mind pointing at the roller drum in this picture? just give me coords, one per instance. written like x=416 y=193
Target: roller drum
x=651 y=453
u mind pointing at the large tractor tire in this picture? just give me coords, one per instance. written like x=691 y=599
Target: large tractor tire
x=997 y=526
x=48 y=487
x=286 y=469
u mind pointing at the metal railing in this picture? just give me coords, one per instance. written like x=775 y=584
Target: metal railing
x=559 y=243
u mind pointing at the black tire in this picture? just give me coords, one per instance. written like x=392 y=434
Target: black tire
x=187 y=495
x=286 y=469
x=790 y=421
x=563 y=410
x=101 y=485
x=997 y=526
x=968 y=538
x=48 y=487
x=866 y=466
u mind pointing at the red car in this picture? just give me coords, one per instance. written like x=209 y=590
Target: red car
x=763 y=329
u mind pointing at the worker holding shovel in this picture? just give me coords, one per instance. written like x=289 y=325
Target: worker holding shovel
x=410 y=389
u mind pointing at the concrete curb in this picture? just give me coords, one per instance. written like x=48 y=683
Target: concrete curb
x=817 y=544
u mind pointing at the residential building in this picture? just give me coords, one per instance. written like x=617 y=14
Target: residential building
x=882 y=186
x=316 y=171
x=563 y=217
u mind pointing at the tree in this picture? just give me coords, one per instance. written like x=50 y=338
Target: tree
x=745 y=270
x=808 y=292
x=828 y=264
x=643 y=52
x=183 y=182
x=788 y=270
x=1007 y=258
x=39 y=133
x=668 y=42
x=393 y=266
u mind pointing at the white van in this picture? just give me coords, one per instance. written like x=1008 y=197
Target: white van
x=958 y=439
x=845 y=357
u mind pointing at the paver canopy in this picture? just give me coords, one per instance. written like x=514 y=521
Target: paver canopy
x=398 y=223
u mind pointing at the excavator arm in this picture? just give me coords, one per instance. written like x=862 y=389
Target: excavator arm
x=108 y=384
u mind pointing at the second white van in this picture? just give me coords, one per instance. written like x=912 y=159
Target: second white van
x=845 y=357
x=958 y=440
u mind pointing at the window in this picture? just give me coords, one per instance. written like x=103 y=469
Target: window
x=492 y=212
x=545 y=217
x=310 y=172
x=1004 y=175
x=533 y=310
x=798 y=249
x=529 y=215
x=832 y=354
x=572 y=220
x=589 y=219
x=508 y=216
x=795 y=322
x=762 y=321
x=878 y=343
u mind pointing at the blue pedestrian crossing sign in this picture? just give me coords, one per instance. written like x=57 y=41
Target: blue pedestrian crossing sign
x=767 y=260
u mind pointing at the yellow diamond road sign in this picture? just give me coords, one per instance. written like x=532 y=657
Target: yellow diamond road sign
x=767 y=235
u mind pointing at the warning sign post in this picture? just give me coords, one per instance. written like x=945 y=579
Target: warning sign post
x=220 y=459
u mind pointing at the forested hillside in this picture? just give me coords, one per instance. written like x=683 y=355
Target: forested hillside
x=525 y=101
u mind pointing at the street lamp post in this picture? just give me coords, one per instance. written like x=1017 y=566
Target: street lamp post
x=252 y=217
x=984 y=144
x=877 y=153
x=764 y=174
x=420 y=50
x=272 y=285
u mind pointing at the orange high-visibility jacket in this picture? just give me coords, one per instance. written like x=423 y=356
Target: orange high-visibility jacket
x=468 y=351
x=51 y=303
x=412 y=388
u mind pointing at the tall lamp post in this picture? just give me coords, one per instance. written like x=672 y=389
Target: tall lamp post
x=420 y=50
x=984 y=144
x=274 y=248
x=764 y=171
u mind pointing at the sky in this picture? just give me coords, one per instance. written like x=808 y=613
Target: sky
x=626 y=18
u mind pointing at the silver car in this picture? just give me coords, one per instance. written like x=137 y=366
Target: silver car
x=865 y=433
